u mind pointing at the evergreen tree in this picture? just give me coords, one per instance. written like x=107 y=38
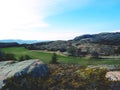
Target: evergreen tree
x=54 y=59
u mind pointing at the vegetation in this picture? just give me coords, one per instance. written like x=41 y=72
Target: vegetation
x=117 y=51
x=95 y=55
x=46 y=57
x=24 y=57
x=54 y=59
x=63 y=77
x=102 y=38
x=69 y=74
x=10 y=56
x=12 y=44
x=77 y=52
x=6 y=56
x=50 y=46
x=103 y=43
x=72 y=51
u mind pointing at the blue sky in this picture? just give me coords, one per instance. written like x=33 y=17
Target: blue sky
x=57 y=19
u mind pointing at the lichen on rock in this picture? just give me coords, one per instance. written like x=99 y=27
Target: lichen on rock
x=34 y=68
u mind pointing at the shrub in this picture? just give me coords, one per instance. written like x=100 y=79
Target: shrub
x=10 y=56
x=6 y=56
x=72 y=51
x=94 y=54
x=54 y=59
x=24 y=57
x=62 y=77
x=2 y=56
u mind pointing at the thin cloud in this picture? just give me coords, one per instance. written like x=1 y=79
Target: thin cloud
x=15 y=14
x=19 y=15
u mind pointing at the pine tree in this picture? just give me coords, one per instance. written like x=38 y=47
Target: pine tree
x=54 y=59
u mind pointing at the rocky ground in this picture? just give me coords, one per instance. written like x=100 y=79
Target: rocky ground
x=35 y=75
x=8 y=69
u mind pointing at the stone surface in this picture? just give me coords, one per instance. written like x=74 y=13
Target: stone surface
x=113 y=75
x=109 y=67
x=35 y=68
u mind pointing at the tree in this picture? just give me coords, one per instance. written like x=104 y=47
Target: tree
x=95 y=54
x=78 y=52
x=117 y=51
x=54 y=59
x=72 y=51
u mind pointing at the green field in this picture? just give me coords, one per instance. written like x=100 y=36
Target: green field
x=46 y=57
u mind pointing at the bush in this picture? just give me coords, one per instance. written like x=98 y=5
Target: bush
x=24 y=83
x=94 y=55
x=10 y=56
x=54 y=59
x=2 y=56
x=62 y=77
x=24 y=57
x=72 y=51
x=6 y=56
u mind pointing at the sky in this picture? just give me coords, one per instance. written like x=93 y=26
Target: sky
x=57 y=19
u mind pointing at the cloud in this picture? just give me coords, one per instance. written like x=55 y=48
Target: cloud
x=15 y=13
x=116 y=30
x=18 y=15
x=43 y=35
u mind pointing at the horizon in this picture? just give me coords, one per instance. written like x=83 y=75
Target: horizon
x=53 y=40
x=57 y=19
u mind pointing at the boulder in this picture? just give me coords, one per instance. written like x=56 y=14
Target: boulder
x=113 y=75
x=34 y=68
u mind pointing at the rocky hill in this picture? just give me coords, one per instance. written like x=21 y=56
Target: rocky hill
x=102 y=43
x=101 y=38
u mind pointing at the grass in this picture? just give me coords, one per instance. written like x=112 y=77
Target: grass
x=46 y=57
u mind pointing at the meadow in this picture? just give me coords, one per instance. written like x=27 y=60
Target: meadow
x=46 y=57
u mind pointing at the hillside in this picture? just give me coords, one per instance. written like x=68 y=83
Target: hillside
x=9 y=44
x=101 y=38
x=50 y=46
x=63 y=59
x=102 y=43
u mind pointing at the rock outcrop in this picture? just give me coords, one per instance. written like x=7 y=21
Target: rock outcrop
x=113 y=75
x=35 y=68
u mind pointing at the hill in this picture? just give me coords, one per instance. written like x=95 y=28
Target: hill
x=101 y=38
x=102 y=43
x=20 y=41
x=11 y=44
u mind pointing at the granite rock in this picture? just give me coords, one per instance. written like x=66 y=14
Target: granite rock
x=34 y=68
